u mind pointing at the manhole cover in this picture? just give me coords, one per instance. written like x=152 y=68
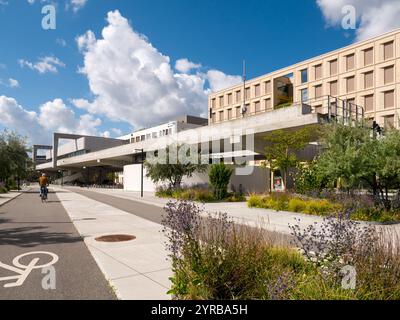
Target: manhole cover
x=115 y=238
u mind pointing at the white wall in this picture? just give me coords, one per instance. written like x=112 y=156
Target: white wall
x=132 y=179
x=257 y=181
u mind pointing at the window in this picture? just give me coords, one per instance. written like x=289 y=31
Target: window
x=257 y=90
x=267 y=104
x=319 y=109
x=229 y=98
x=350 y=101
x=388 y=50
x=369 y=103
x=213 y=103
x=221 y=101
x=148 y=136
x=304 y=76
x=333 y=88
x=221 y=116
x=238 y=96
x=137 y=139
x=368 y=80
x=333 y=67
x=267 y=87
x=350 y=84
x=229 y=114
x=388 y=74
x=318 y=71
x=238 y=114
x=318 y=91
x=247 y=93
x=389 y=122
x=170 y=131
x=213 y=117
x=257 y=106
x=154 y=134
x=304 y=95
x=368 y=56
x=388 y=99
x=350 y=62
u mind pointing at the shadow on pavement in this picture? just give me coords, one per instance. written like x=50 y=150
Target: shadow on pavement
x=28 y=237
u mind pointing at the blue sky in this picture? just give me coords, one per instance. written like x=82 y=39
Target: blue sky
x=129 y=79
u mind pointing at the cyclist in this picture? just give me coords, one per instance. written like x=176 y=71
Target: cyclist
x=43 y=183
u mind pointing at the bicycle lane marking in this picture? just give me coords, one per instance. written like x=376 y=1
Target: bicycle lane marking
x=23 y=271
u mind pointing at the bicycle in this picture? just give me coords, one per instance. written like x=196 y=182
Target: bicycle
x=43 y=194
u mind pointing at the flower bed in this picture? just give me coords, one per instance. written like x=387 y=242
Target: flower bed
x=214 y=259
x=196 y=194
x=321 y=207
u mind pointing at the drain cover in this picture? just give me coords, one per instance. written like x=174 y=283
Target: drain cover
x=116 y=238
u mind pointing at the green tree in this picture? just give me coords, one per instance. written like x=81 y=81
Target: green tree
x=355 y=157
x=219 y=176
x=282 y=147
x=14 y=158
x=173 y=169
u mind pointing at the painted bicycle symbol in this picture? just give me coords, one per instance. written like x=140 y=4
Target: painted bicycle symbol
x=23 y=270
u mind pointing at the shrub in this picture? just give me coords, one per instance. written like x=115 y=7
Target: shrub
x=236 y=197
x=255 y=201
x=203 y=195
x=297 y=205
x=219 y=176
x=214 y=259
x=319 y=207
x=164 y=192
x=3 y=190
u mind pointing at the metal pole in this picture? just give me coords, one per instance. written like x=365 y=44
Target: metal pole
x=329 y=109
x=244 y=88
x=141 y=187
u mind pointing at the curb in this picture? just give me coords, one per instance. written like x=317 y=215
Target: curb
x=10 y=199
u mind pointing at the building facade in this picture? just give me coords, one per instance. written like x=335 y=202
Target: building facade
x=366 y=73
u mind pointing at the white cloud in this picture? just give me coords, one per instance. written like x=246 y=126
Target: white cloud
x=14 y=116
x=184 y=65
x=375 y=16
x=13 y=83
x=116 y=131
x=52 y=116
x=61 y=42
x=219 y=80
x=77 y=4
x=43 y=65
x=135 y=83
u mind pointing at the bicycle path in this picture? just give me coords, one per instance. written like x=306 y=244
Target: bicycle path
x=26 y=226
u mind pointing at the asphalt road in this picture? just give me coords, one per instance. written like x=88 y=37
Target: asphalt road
x=140 y=209
x=27 y=225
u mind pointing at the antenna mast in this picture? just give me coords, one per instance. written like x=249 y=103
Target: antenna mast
x=244 y=88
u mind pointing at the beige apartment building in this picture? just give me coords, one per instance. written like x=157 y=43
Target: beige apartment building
x=365 y=74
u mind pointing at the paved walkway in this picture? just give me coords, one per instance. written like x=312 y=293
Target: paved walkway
x=137 y=269
x=268 y=219
x=28 y=226
x=7 y=197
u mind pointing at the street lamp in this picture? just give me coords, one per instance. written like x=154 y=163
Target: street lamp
x=62 y=176
x=142 y=163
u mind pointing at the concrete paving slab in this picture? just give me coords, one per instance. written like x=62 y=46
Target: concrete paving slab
x=124 y=264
